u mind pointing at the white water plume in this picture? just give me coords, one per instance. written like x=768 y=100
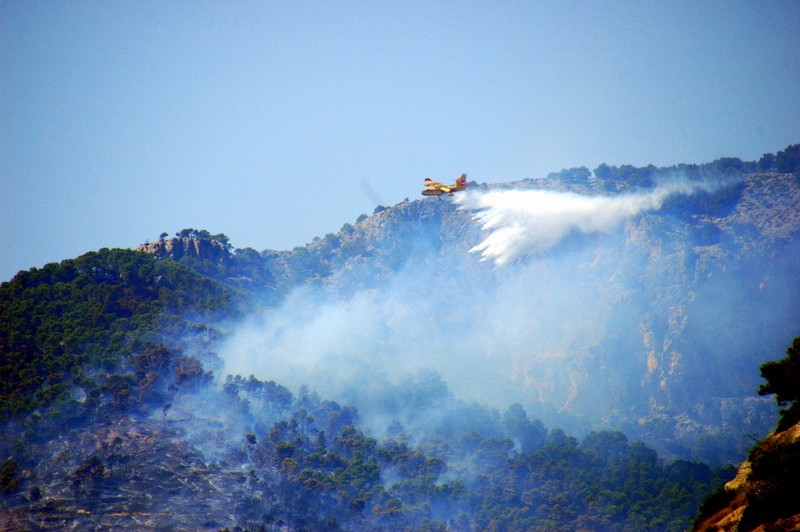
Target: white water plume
x=529 y=222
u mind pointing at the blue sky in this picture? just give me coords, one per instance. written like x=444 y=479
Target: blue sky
x=275 y=122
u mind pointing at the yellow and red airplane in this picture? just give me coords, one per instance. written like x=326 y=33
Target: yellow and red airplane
x=434 y=188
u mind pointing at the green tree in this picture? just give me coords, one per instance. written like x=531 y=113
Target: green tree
x=604 y=172
x=528 y=435
x=788 y=160
x=767 y=162
x=783 y=380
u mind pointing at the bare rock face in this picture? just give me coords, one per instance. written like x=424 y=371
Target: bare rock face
x=763 y=495
x=193 y=248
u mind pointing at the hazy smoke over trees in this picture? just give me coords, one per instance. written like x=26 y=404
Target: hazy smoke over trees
x=606 y=309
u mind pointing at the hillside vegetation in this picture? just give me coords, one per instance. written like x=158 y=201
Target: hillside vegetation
x=124 y=428
x=99 y=329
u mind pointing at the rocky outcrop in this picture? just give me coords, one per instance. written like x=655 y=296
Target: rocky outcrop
x=191 y=248
x=763 y=495
x=771 y=204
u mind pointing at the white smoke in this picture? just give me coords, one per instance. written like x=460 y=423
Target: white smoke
x=529 y=222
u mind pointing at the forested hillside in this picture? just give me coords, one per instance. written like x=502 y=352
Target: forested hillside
x=384 y=377
x=113 y=422
x=99 y=326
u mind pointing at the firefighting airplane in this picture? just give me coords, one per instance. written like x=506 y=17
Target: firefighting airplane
x=437 y=189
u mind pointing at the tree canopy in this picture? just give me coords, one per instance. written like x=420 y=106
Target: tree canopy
x=783 y=380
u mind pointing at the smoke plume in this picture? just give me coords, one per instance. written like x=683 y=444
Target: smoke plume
x=529 y=222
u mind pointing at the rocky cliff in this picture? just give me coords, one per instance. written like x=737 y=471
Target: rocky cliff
x=763 y=496
x=203 y=249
